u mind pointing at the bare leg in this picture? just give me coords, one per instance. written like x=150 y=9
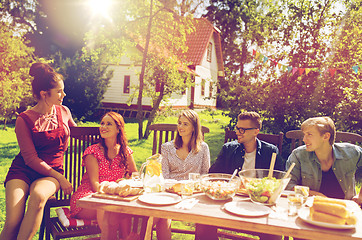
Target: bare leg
x=163 y=228
x=87 y=214
x=39 y=193
x=110 y=222
x=16 y=194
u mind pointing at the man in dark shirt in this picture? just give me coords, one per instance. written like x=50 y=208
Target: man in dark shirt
x=247 y=152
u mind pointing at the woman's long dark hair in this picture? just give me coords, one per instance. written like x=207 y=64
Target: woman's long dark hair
x=121 y=139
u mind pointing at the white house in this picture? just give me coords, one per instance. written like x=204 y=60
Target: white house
x=204 y=52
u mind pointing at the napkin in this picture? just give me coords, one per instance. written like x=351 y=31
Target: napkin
x=279 y=213
x=187 y=203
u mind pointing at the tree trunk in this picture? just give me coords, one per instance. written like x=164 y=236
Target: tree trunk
x=140 y=91
x=155 y=108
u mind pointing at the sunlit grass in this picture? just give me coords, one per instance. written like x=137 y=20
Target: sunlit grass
x=142 y=149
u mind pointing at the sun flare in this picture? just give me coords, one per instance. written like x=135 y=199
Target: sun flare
x=100 y=7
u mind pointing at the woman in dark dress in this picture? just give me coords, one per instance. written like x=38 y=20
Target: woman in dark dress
x=36 y=172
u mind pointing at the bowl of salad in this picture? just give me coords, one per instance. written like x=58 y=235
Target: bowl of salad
x=218 y=186
x=261 y=187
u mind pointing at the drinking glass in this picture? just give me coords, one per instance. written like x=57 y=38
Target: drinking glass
x=195 y=178
x=136 y=176
x=302 y=190
x=295 y=202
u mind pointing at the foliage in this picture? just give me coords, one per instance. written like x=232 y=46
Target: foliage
x=86 y=80
x=309 y=34
x=242 y=24
x=51 y=26
x=348 y=52
x=15 y=60
x=159 y=33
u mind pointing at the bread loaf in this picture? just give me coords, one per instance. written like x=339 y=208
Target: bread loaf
x=120 y=188
x=325 y=217
x=329 y=200
x=331 y=208
x=110 y=188
x=101 y=186
x=124 y=190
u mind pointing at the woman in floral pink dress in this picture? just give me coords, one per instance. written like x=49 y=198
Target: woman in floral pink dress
x=109 y=160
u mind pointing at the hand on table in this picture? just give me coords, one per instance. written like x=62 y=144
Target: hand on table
x=357 y=199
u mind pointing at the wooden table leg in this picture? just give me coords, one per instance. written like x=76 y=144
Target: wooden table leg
x=109 y=229
x=148 y=234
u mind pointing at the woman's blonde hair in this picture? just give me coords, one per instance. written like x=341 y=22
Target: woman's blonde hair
x=324 y=125
x=197 y=137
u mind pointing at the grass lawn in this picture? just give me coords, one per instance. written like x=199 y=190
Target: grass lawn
x=142 y=149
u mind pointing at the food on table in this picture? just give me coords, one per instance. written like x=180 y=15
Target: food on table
x=218 y=186
x=262 y=187
x=120 y=188
x=175 y=188
x=219 y=190
x=303 y=190
x=261 y=190
x=331 y=210
x=329 y=200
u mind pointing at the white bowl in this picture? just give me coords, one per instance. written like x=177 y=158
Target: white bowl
x=218 y=186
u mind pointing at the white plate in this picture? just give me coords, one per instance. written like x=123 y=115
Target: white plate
x=162 y=198
x=303 y=213
x=247 y=209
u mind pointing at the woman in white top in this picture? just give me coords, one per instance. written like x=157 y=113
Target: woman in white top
x=187 y=153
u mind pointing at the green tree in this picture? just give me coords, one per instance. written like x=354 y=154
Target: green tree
x=347 y=53
x=51 y=26
x=157 y=28
x=86 y=80
x=243 y=24
x=15 y=60
x=169 y=32
x=309 y=34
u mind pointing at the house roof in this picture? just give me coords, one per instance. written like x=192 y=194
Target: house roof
x=198 y=41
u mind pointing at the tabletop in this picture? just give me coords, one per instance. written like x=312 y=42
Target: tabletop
x=213 y=212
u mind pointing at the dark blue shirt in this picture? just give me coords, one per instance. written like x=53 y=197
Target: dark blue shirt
x=232 y=154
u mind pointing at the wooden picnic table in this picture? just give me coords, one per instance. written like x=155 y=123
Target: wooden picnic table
x=212 y=212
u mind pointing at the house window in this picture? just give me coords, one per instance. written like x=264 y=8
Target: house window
x=203 y=87
x=210 y=89
x=209 y=50
x=126 y=83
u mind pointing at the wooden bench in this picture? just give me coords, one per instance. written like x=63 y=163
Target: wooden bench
x=80 y=139
x=297 y=138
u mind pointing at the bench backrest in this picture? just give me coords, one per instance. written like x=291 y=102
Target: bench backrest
x=164 y=132
x=276 y=139
x=80 y=139
x=297 y=138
